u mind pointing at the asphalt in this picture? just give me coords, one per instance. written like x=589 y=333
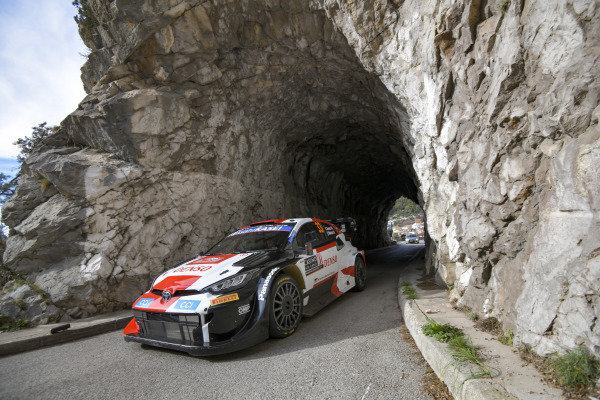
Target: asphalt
x=352 y=349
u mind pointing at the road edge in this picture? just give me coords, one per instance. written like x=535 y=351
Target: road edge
x=40 y=336
x=455 y=376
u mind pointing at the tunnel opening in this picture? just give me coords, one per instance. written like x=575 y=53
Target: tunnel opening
x=352 y=169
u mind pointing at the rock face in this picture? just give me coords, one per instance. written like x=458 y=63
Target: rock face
x=204 y=116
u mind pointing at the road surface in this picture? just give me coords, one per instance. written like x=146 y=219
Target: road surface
x=352 y=349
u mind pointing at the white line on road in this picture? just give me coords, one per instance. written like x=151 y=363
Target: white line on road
x=366 y=392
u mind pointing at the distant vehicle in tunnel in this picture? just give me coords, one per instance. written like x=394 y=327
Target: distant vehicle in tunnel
x=255 y=283
x=412 y=238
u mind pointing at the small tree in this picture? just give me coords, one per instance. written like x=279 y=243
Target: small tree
x=7 y=187
x=85 y=19
x=28 y=143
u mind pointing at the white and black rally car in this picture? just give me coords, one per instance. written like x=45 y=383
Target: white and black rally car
x=255 y=283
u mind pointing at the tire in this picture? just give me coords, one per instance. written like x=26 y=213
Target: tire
x=360 y=275
x=285 y=307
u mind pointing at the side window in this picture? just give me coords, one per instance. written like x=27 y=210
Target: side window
x=330 y=231
x=309 y=233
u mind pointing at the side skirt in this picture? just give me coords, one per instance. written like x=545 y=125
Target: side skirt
x=322 y=294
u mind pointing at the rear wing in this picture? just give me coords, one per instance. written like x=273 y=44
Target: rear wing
x=347 y=226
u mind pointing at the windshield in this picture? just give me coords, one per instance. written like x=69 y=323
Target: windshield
x=259 y=238
x=412 y=235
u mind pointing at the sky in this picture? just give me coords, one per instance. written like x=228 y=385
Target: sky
x=40 y=57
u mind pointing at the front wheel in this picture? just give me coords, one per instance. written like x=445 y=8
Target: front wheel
x=285 y=307
x=360 y=275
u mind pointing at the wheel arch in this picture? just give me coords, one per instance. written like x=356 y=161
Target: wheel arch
x=361 y=254
x=293 y=271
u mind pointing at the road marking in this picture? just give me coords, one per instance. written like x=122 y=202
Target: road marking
x=366 y=392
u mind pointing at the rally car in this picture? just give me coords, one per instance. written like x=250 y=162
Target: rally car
x=255 y=283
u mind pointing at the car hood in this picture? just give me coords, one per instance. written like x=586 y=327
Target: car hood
x=204 y=271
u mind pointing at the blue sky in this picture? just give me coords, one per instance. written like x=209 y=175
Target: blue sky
x=40 y=58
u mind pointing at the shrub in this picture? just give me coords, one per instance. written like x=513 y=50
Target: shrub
x=576 y=367
x=441 y=332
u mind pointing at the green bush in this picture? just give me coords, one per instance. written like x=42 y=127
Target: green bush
x=576 y=368
x=441 y=332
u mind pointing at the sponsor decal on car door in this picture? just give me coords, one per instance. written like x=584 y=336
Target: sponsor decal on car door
x=328 y=262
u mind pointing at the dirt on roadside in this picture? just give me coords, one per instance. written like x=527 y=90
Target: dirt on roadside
x=432 y=385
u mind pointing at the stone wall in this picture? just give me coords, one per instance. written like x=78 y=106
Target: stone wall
x=503 y=103
x=203 y=116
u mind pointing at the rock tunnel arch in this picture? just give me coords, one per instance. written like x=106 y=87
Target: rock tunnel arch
x=200 y=119
x=203 y=115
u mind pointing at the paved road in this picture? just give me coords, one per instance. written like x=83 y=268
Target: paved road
x=352 y=349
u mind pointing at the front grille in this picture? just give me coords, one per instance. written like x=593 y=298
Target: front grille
x=174 y=328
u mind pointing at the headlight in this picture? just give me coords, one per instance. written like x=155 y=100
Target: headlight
x=232 y=283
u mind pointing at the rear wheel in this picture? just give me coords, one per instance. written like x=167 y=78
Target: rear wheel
x=285 y=307
x=360 y=275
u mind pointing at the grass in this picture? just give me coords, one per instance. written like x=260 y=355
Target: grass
x=575 y=372
x=461 y=346
x=473 y=316
x=575 y=368
x=410 y=292
x=463 y=351
x=507 y=337
x=441 y=332
x=7 y=324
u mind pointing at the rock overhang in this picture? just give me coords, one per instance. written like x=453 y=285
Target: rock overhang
x=216 y=117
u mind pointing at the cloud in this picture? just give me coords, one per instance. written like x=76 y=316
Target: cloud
x=39 y=67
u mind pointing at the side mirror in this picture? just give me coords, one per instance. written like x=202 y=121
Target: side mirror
x=308 y=249
x=339 y=244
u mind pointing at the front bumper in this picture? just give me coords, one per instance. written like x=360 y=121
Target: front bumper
x=242 y=340
x=221 y=329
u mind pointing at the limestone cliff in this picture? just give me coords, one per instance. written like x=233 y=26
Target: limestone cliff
x=204 y=115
